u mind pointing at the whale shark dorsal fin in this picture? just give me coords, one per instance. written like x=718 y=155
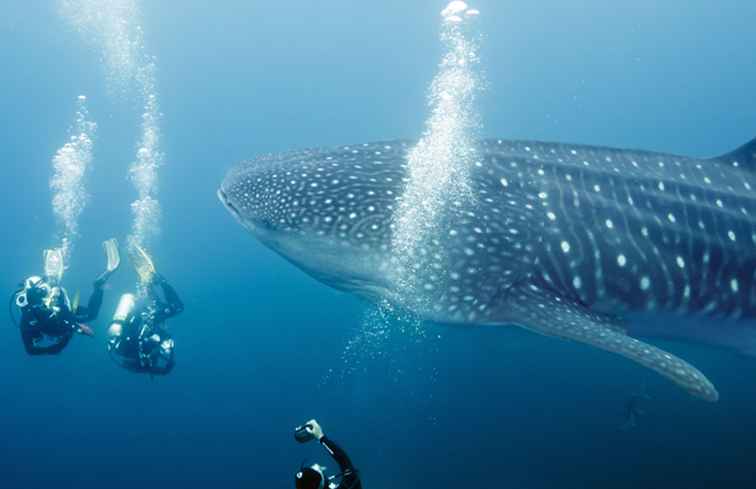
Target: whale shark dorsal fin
x=544 y=312
x=744 y=156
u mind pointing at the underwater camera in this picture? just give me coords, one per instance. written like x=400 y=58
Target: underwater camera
x=302 y=435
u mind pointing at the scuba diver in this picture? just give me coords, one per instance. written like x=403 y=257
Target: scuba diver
x=314 y=476
x=49 y=319
x=139 y=339
x=633 y=410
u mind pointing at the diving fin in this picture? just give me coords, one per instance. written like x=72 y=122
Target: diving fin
x=143 y=264
x=114 y=257
x=544 y=312
x=54 y=265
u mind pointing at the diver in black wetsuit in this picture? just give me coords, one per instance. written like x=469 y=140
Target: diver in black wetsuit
x=314 y=477
x=49 y=320
x=139 y=340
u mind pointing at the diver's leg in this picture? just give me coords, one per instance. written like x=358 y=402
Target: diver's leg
x=90 y=312
x=57 y=327
x=102 y=279
x=60 y=345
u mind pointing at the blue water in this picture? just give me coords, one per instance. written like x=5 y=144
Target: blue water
x=261 y=345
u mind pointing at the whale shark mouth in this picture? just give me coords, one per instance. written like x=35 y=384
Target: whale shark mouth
x=224 y=200
x=233 y=210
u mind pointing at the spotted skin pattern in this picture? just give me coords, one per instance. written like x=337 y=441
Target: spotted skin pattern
x=564 y=240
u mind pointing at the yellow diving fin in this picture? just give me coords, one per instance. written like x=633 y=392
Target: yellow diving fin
x=143 y=264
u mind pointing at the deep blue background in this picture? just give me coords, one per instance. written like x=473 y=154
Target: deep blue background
x=455 y=408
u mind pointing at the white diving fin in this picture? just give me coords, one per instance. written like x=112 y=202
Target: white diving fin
x=114 y=257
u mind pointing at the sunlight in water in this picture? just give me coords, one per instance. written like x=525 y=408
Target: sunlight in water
x=438 y=165
x=70 y=165
x=115 y=26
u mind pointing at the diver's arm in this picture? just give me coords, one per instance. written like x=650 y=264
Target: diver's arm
x=173 y=305
x=349 y=476
x=28 y=335
x=130 y=364
x=123 y=352
x=59 y=345
x=71 y=322
x=168 y=368
x=30 y=331
x=34 y=350
x=339 y=455
x=137 y=367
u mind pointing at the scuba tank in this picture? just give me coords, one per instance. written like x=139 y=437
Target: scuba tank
x=125 y=308
x=123 y=311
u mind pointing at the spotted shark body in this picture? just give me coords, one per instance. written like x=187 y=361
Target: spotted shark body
x=596 y=245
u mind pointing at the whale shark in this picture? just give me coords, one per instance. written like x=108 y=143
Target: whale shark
x=596 y=245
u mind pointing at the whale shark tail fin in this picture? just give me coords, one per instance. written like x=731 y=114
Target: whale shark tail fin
x=744 y=156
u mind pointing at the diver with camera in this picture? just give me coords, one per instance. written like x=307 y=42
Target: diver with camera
x=49 y=319
x=139 y=338
x=315 y=476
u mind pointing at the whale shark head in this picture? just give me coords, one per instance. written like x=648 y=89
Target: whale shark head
x=327 y=211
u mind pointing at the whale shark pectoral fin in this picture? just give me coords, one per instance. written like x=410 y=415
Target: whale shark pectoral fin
x=543 y=312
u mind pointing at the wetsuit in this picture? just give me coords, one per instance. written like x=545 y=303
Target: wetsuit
x=57 y=324
x=145 y=345
x=350 y=478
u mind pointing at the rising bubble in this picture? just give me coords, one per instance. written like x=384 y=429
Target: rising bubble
x=115 y=28
x=70 y=165
x=438 y=166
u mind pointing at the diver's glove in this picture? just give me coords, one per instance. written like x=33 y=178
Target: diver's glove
x=85 y=330
x=314 y=429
